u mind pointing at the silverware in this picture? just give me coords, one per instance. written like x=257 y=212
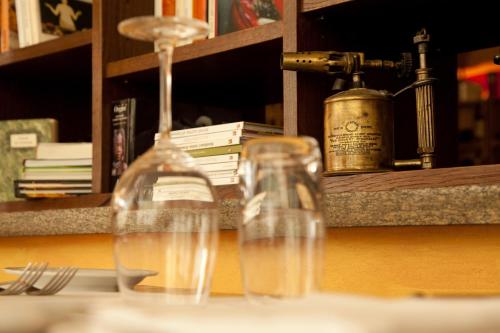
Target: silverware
x=56 y=284
x=31 y=274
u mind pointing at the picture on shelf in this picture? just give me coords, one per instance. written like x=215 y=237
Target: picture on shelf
x=234 y=15
x=119 y=152
x=60 y=17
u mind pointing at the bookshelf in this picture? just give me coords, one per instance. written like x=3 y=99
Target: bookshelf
x=241 y=70
x=81 y=41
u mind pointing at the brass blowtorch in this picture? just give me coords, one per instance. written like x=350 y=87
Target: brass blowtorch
x=359 y=122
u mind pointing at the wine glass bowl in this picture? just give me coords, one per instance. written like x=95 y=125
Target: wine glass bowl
x=157 y=28
x=165 y=210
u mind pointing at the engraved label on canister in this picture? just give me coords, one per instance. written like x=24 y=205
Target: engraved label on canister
x=355 y=139
x=358 y=135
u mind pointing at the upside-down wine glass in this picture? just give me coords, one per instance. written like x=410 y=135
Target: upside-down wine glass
x=165 y=212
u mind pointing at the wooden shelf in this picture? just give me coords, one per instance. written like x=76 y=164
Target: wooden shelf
x=399 y=180
x=311 y=5
x=200 y=49
x=84 y=201
x=65 y=43
x=414 y=179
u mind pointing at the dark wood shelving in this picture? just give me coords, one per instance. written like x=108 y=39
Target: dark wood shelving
x=65 y=43
x=200 y=49
x=311 y=5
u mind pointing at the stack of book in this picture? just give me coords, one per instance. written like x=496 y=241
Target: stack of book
x=59 y=170
x=216 y=148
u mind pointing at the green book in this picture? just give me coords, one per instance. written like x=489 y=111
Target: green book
x=215 y=151
x=18 y=141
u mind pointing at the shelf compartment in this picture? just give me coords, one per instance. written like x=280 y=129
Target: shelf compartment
x=59 y=45
x=200 y=49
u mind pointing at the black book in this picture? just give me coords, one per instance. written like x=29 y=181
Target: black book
x=123 y=122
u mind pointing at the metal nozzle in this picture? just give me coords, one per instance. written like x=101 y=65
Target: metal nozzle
x=332 y=62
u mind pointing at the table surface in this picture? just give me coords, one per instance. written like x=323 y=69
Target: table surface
x=106 y=312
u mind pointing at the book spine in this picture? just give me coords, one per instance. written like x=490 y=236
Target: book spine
x=207 y=129
x=212 y=18
x=158 y=7
x=221 y=173
x=205 y=137
x=20 y=25
x=85 y=176
x=217 y=159
x=225 y=181
x=220 y=166
x=200 y=10
x=123 y=128
x=4 y=26
x=168 y=8
x=184 y=8
x=34 y=24
x=131 y=131
x=215 y=151
x=214 y=143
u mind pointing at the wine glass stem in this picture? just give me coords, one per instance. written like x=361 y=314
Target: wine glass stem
x=165 y=54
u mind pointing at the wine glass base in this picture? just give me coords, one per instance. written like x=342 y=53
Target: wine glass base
x=169 y=28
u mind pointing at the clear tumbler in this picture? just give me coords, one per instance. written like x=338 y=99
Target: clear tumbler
x=281 y=234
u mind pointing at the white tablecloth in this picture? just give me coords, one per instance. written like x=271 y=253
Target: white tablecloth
x=106 y=312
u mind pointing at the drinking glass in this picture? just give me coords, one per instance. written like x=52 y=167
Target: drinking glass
x=165 y=213
x=282 y=230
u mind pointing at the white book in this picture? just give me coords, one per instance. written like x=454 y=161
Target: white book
x=57 y=162
x=217 y=159
x=59 y=176
x=57 y=170
x=225 y=181
x=206 y=137
x=158 y=8
x=212 y=18
x=234 y=140
x=54 y=185
x=219 y=166
x=22 y=23
x=184 y=8
x=58 y=150
x=221 y=173
x=240 y=125
x=62 y=191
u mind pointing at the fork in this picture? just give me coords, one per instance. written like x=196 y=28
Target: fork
x=31 y=274
x=56 y=284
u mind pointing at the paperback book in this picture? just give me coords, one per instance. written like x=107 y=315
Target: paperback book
x=123 y=122
x=18 y=141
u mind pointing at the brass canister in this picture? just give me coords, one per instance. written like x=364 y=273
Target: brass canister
x=359 y=131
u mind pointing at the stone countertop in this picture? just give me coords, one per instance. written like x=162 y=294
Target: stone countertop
x=454 y=205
